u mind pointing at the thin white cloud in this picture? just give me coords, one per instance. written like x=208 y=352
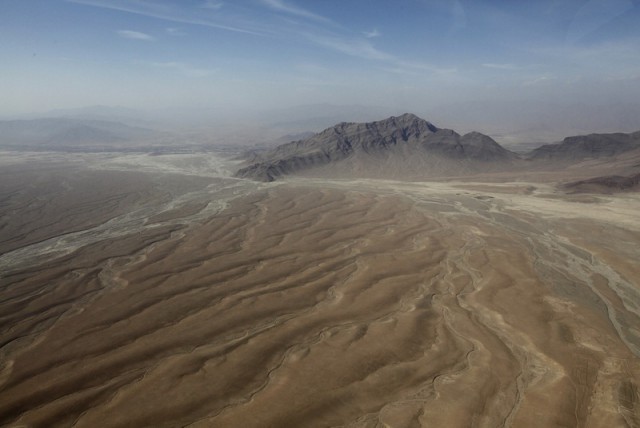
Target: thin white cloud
x=166 y=13
x=501 y=66
x=420 y=68
x=371 y=34
x=338 y=40
x=135 y=35
x=595 y=60
x=183 y=68
x=173 y=31
x=311 y=68
x=593 y=15
x=459 y=17
x=624 y=76
x=539 y=80
x=281 y=6
x=363 y=48
x=212 y=4
x=402 y=71
x=353 y=47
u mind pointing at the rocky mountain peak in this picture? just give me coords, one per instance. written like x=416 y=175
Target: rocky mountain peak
x=396 y=142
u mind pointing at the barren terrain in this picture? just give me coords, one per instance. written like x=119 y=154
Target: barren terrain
x=156 y=291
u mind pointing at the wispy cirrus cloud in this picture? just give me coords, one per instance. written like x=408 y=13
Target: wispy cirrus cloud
x=282 y=6
x=135 y=35
x=459 y=17
x=168 y=12
x=539 y=80
x=183 y=68
x=501 y=66
x=371 y=34
x=212 y=4
x=356 y=47
x=314 y=28
x=363 y=48
x=410 y=68
x=173 y=31
x=594 y=14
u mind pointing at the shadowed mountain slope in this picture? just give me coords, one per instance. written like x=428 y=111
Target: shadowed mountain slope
x=404 y=146
x=607 y=184
x=588 y=146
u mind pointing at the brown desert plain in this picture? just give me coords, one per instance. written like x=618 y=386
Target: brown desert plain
x=140 y=290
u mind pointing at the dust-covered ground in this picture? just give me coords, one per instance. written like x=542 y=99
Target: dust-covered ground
x=140 y=290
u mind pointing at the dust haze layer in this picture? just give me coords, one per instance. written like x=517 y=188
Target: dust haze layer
x=195 y=299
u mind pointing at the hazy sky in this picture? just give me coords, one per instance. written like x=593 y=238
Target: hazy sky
x=276 y=53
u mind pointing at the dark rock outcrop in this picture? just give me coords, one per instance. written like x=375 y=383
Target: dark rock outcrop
x=391 y=144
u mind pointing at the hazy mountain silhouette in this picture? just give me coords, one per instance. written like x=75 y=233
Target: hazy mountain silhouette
x=55 y=132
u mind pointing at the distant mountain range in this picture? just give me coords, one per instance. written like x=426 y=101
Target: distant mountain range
x=407 y=147
x=399 y=147
x=63 y=132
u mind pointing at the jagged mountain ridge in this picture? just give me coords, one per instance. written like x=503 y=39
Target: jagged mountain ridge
x=406 y=145
x=588 y=146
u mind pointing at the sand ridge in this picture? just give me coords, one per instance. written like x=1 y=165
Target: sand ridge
x=346 y=303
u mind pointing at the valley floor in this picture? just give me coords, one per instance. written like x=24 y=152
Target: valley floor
x=149 y=292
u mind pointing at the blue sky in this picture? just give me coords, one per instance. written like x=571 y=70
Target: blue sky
x=407 y=54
